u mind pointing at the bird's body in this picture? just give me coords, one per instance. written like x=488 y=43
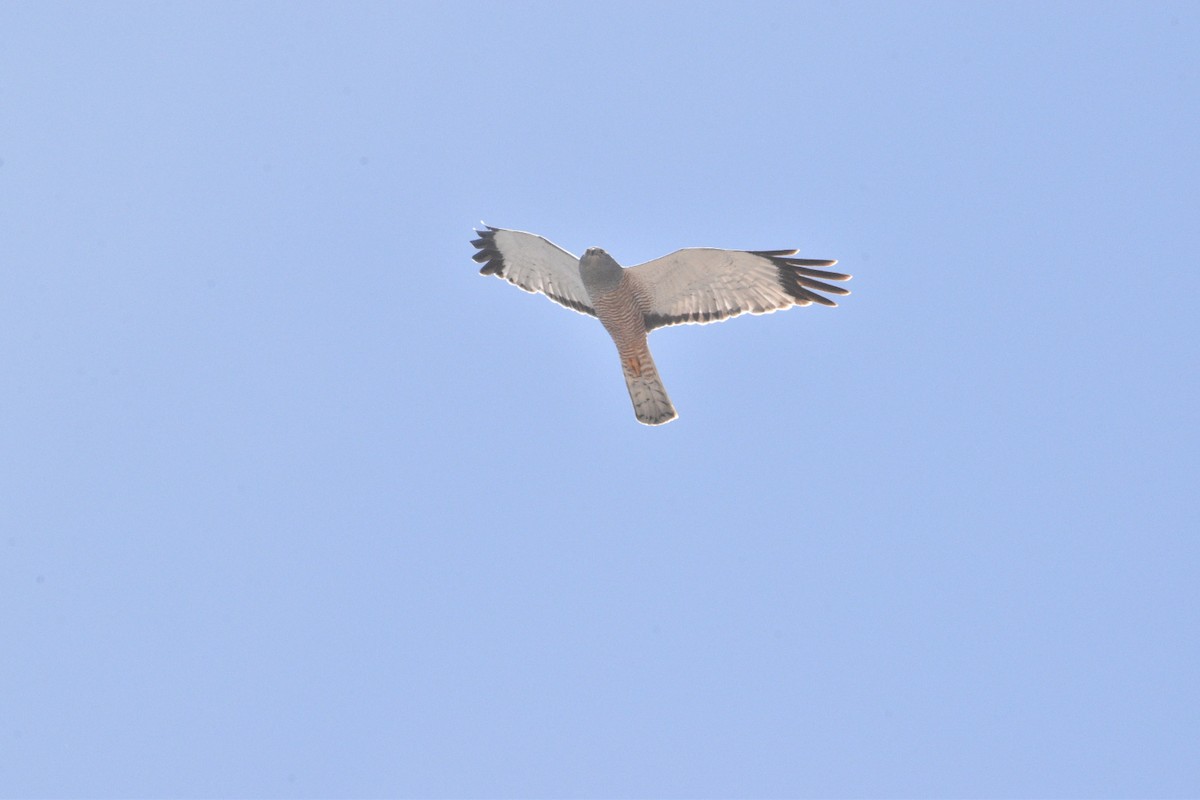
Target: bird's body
x=696 y=285
x=621 y=307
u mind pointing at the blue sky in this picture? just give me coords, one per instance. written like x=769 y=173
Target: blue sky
x=295 y=503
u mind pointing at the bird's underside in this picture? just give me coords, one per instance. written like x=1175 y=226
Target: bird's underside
x=695 y=285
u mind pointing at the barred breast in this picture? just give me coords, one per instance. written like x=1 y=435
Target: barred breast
x=622 y=311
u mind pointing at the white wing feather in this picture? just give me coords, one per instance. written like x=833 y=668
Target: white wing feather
x=703 y=284
x=534 y=264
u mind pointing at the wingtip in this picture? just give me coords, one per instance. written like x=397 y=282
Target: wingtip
x=488 y=253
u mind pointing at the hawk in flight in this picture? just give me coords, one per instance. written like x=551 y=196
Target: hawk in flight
x=699 y=284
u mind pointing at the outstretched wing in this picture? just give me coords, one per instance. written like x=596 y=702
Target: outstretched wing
x=704 y=284
x=533 y=264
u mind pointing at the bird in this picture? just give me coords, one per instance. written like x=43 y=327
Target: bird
x=693 y=285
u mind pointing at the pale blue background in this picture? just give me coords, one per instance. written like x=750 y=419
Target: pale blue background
x=294 y=503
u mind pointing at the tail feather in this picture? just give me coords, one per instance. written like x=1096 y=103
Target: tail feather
x=650 y=402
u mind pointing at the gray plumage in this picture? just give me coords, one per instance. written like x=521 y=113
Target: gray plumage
x=696 y=285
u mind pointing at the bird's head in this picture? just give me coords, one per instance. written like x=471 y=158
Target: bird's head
x=597 y=255
x=598 y=267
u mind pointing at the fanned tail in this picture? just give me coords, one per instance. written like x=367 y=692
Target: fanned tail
x=650 y=402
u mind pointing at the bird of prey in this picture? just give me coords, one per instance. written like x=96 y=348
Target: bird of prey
x=698 y=284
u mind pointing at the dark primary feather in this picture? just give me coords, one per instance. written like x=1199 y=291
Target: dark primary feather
x=798 y=279
x=489 y=255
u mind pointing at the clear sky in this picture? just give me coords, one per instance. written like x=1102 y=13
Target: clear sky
x=295 y=503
